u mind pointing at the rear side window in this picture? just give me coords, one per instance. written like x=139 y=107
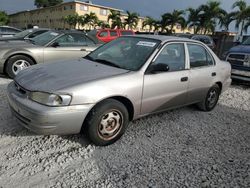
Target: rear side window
x=103 y=34
x=74 y=39
x=127 y=33
x=198 y=56
x=113 y=33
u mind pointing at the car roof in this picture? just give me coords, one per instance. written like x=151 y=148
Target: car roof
x=6 y=26
x=164 y=38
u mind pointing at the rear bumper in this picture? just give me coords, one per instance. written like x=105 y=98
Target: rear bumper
x=43 y=119
x=240 y=75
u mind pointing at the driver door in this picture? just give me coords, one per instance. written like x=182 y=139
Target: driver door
x=167 y=89
x=68 y=46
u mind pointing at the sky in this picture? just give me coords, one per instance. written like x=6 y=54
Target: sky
x=154 y=8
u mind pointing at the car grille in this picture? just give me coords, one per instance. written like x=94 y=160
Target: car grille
x=238 y=59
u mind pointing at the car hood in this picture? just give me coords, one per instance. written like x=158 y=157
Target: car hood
x=15 y=44
x=61 y=75
x=240 y=49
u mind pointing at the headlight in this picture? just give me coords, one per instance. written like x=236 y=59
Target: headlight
x=50 y=99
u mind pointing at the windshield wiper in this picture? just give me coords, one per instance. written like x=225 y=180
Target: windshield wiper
x=106 y=62
x=89 y=58
x=31 y=41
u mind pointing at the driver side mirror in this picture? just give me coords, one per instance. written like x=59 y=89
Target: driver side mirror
x=156 y=68
x=55 y=44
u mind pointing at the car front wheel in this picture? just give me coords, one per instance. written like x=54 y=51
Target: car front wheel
x=17 y=63
x=107 y=122
x=211 y=99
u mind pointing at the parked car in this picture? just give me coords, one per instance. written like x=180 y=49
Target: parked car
x=7 y=31
x=47 y=47
x=239 y=57
x=123 y=80
x=26 y=34
x=205 y=39
x=107 y=35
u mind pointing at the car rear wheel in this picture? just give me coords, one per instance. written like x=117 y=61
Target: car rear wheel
x=211 y=99
x=17 y=63
x=107 y=122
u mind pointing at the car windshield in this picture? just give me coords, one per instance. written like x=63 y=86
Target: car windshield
x=45 y=38
x=246 y=42
x=128 y=53
x=23 y=33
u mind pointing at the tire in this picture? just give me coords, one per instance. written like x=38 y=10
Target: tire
x=107 y=122
x=211 y=99
x=16 y=64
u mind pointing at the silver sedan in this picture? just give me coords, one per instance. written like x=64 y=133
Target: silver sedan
x=47 y=47
x=123 y=80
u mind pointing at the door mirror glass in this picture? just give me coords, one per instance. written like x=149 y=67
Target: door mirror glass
x=55 y=44
x=156 y=68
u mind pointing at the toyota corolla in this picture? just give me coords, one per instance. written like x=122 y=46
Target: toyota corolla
x=128 y=78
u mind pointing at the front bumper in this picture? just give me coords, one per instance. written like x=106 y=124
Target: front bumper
x=243 y=75
x=43 y=119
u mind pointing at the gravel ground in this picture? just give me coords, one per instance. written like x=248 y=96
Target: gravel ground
x=179 y=148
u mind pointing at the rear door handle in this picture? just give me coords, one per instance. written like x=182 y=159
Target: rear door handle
x=184 y=79
x=213 y=73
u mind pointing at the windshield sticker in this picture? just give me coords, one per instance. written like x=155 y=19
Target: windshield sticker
x=30 y=31
x=54 y=34
x=145 y=43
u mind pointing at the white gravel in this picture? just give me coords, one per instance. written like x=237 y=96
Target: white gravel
x=179 y=148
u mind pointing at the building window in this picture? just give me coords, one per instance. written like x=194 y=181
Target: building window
x=103 y=12
x=84 y=8
x=65 y=8
x=71 y=6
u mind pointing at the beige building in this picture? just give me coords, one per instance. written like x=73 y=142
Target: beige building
x=53 y=17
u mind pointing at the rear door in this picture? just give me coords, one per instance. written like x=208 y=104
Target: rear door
x=165 y=90
x=202 y=72
x=68 y=46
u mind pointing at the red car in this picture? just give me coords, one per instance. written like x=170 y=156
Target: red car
x=107 y=35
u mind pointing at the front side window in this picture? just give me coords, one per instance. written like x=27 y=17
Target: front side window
x=198 y=56
x=113 y=33
x=128 y=53
x=45 y=38
x=172 y=55
x=103 y=34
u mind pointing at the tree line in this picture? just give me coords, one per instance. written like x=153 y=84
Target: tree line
x=203 y=19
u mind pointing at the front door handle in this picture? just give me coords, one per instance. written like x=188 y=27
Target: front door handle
x=213 y=73
x=184 y=79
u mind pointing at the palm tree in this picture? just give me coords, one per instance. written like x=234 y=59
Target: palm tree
x=149 y=21
x=102 y=24
x=81 y=21
x=115 y=16
x=91 y=19
x=193 y=19
x=171 y=19
x=71 y=20
x=241 y=15
x=131 y=20
x=226 y=19
x=210 y=13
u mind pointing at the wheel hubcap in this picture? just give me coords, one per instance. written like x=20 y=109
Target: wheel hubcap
x=212 y=98
x=19 y=65
x=110 y=124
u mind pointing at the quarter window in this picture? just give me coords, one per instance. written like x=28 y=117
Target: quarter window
x=172 y=55
x=198 y=56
